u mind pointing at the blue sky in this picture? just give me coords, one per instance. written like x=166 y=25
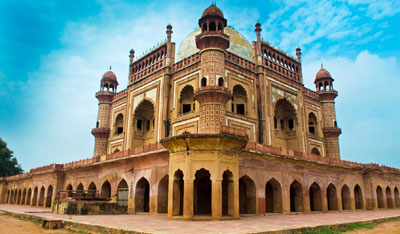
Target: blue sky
x=53 y=53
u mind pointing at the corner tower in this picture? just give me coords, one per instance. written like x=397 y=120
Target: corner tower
x=212 y=93
x=108 y=88
x=324 y=86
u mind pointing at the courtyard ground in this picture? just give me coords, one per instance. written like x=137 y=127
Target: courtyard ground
x=255 y=224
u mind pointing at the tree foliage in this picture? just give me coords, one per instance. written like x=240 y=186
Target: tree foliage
x=8 y=163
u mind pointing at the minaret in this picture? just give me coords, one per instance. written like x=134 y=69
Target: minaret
x=212 y=93
x=108 y=88
x=324 y=86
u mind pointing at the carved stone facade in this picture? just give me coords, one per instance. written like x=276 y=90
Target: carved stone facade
x=222 y=129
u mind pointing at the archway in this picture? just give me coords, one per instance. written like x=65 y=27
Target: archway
x=273 y=197
x=23 y=197
x=8 y=196
x=162 y=197
x=69 y=190
x=41 y=196
x=312 y=124
x=247 y=195
x=239 y=100
x=227 y=193
x=35 y=195
x=389 y=199
x=177 y=194
x=315 y=197
x=122 y=193
x=49 y=196
x=331 y=195
x=119 y=124
x=19 y=197
x=92 y=190
x=315 y=151
x=285 y=115
x=144 y=124
x=187 y=104
x=28 y=200
x=106 y=190
x=296 y=197
x=142 y=195
x=358 y=197
x=396 y=197
x=346 y=200
x=79 y=189
x=202 y=193
x=379 y=196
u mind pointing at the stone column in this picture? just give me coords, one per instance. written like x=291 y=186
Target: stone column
x=216 y=199
x=324 y=200
x=188 y=199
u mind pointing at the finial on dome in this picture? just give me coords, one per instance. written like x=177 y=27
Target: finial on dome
x=322 y=65
x=110 y=67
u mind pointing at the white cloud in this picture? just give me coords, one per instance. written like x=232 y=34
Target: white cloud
x=367 y=105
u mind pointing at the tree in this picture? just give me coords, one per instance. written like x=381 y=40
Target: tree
x=8 y=163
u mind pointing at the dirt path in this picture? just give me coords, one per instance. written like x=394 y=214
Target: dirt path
x=11 y=225
x=383 y=228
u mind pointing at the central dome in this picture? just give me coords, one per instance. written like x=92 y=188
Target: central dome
x=238 y=45
x=213 y=10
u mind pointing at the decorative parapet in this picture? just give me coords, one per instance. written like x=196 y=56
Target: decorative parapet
x=317 y=158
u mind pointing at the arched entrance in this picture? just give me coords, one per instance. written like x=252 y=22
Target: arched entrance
x=273 y=197
x=144 y=124
x=19 y=197
x=315 y=197
x=142 y=195
x=28 y=200
x=69 y=190
x=49 y=196
x=396 y=197
x=389 y=199
x=122 y=193
x=331 y=195
x=346 y=200
x=23 y=197
x=379 y=196
x=202 y=193
x=227 y=193
x=177 y=194
x=106 y=190
x=162 y=197
x=8 y=196
x=41 y=196
x=35 y=195
x=79 y=189
x=296 y=197
x=358 y=197
x=247 y=196
x=92 y=190
x=12 y=197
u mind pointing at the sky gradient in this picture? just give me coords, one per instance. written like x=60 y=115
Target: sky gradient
x=53 y=54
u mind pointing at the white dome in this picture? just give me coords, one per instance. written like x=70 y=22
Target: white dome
x=238 y=45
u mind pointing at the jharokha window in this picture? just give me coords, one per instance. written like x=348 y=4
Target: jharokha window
x=187 y=103
x=239 y=100
x=119 y=124
x=285 y=116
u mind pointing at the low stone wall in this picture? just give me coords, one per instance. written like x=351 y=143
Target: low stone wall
x=87 y=208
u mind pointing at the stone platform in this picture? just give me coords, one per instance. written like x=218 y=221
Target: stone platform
x=160 y=224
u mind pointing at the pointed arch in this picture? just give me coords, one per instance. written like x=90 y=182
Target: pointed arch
x=92 y=190
x=23 y=197
x=122 y=193
x=315 y=151
x=358 y=199
x=396 y=197
x=296 y=197
x=162 y=196
x=19 y=197
x=273 y=196
x=247 y=195
x=315 y=194
x=106 y=190
x=119 y=124
x=29 y=197
x=177 y=193
x=379 y=196
x=389 y=199
x=312 y=124
x=346 y=200
x=331 y=195
x=144 y=120
x=239 y=100
x=41 y=196
x=187 y=102
x=69 y=190
x=202 y=194
x=35 y=195
x=227 y=193
x=142 y=195
x=49 y=196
